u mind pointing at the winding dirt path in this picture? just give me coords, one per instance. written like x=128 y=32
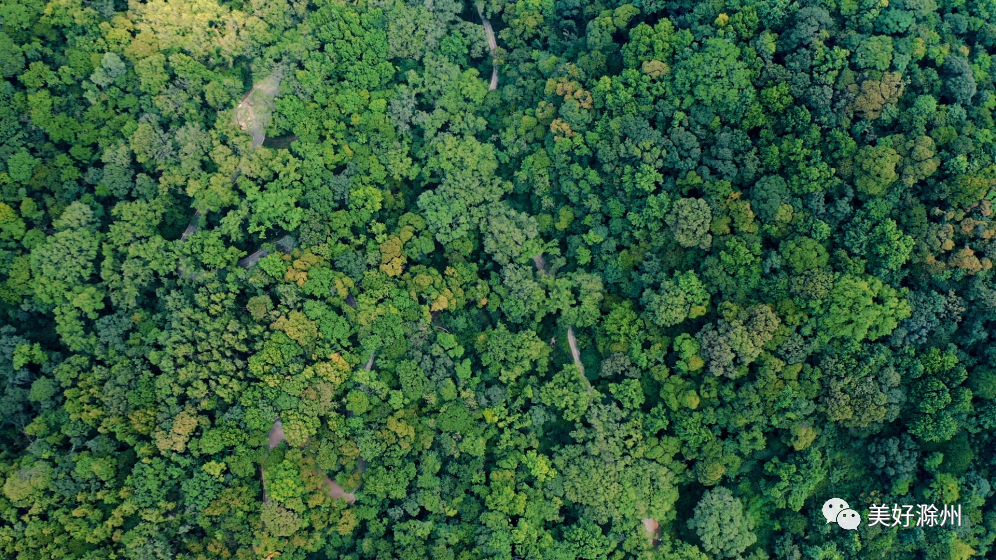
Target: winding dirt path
x=492 y=45
x=576 y=354
x=540 y=263
x=489 y=31
x=276 y=434
x=252 y=114
x=191 y=229
x=252 y=259
x=572 y=341
x=192 y=226
x=285 y=244
x=274 y=438
x=335 y=490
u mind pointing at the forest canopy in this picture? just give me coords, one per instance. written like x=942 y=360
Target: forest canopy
x=547 y=279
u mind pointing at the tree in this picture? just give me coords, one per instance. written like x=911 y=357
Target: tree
x=21 y=165
x=568 y=391
x=768 y=197
x=509 y=356
x=875 y=95
x=940 y=400
x=730 y=345
x=875 y=52
x=283 y=481
x=959 y=81
x=507 y=233
x=111 y=67
x=804 y=253
x=659 y=43
x=719 y=76
x=721 y=524
x=456 y=207
x=586 y=540
x=861 y=390
x=12 y=60
x=895 y=459
x=65 y=262
x=279 y=521
x=679 y=299
x=689 y=220
x=876 y=169
x=23 y=484
x=863 y=308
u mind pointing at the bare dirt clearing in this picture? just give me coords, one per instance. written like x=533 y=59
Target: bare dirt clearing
x=653 y=528
x=253 y=113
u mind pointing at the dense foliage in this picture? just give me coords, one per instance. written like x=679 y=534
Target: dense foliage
x=290 y=278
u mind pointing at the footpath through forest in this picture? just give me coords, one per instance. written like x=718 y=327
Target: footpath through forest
x=492 y=45
x=572 y=341
x=651 y=525
x=276 y=436
x=253 y=115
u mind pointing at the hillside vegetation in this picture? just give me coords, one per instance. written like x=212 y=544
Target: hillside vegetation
x=545 y=279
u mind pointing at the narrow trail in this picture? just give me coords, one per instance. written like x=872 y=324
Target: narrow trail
x=285 y=244
x=252 y=114
x=489 y=31
x=540 y=264
x=191 y=229
x=492 y=45
x=253 y=258
x=195 y=221
x=274 y=438
x=651 y=525
x=276 y=434
x=576 y=354
x=335 y=490
x=571 y=339
x=192 y=226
